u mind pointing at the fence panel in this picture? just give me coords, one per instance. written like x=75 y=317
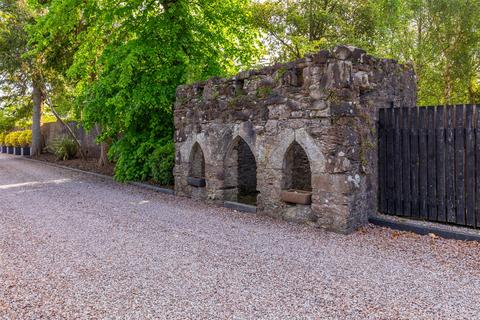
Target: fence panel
x=440 y=165
x=398 y=163
x=477 y=166
x=450 y=165
x=429 y=163
x=382 y=134
x=469 y=167
x=459 y=165
x=414 y=176
x=390 y=181
x=406 y=163
x=422 y=162
x=431 y=166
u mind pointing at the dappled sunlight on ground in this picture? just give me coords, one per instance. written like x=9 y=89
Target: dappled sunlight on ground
x=32 y=183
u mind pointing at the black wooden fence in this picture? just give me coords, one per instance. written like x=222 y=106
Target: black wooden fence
x=429 y=163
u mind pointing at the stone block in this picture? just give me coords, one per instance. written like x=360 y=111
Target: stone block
x=319 y=105
x=322 y=56
x=196 y=182
x=335 y=183
x=297 y=196
x=299 y=213
x=342 y=109
x=342 y=52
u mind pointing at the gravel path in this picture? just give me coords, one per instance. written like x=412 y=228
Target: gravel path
x=77 y=247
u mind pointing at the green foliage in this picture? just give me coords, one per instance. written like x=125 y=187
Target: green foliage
x=7 y=140
x=293 y=28
x=440 y=37
x=161 y=163
x=12 y=139
x=64 y=148
x=25 y=138
x=126 y=59
x=22 y=85
x=16 y=115
x=16 y=138
x=263 y=92
x=21 y=140
x=15 y=70
x=115 y=65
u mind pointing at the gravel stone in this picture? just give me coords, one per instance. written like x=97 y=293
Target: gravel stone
x=74 y=246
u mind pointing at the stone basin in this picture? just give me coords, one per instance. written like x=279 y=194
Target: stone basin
x=297 y=196
x=196 y=182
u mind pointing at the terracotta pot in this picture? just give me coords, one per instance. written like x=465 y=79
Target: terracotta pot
x=297 y=196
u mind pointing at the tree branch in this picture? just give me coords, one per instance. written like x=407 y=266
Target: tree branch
x=70 y=131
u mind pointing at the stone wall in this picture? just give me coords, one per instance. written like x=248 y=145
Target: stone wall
x=326 y=103
x=53 y=130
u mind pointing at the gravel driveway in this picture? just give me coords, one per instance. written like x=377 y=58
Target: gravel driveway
x=79 y=247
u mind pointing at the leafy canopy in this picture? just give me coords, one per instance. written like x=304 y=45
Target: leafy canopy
x=125 y=60
x=440 y=37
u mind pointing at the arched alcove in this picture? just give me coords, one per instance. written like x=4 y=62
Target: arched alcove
x=240 y=173
x=297 y=173
x=197 y=162
x=196 y=170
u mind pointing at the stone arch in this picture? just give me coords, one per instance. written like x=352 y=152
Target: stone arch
x=308 y=144
x=196 y=162
x=297 y=173
x=240 y=168
x=187 y=147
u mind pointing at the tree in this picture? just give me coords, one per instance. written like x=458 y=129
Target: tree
x=126 y=59
x=20 y=76
x=452 y=31
x=295 y=27
x=440 y=37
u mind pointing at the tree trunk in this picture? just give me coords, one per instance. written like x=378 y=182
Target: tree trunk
x=37 y=113
x=102 y=160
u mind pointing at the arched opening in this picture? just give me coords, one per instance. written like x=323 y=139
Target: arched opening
x=297 y=175
x=241 y=174
x=196 y=173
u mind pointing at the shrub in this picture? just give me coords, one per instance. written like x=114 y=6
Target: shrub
x=17 y=141
x=161 y=163
x=8 y=139
x=25 y=138
x=11 y=139
x=2 y=138
x=28 y=137
x=20 y=139
x=64 y=148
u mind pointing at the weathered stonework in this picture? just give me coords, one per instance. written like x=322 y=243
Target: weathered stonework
x=276 y=126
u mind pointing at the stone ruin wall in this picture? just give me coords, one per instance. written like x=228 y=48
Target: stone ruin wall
x=326 y=103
